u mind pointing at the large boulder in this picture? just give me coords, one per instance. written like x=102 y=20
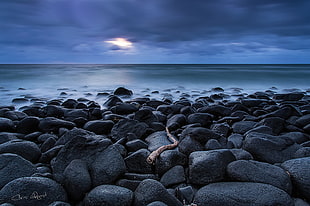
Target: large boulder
x=241 y=194
x=104 y=161
x=209 y=166
x=28 y=125
x=150 y=190
x=157 y=139
x=254 y=171
x=300 y=175
x=13 y=166
x=36 y=191
x=269 y=148
x=109 y=195
x=6 y=125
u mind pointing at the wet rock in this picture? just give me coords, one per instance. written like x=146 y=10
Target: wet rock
x=48 y=144
x=112 y=101
x=261 y=129
x=59 y=203
x=241 y=154
x=295 y=96
x=6 y=125
x=185 y=194
x=13 y=166
x=70 y=103
x=234 y=141
x=208 y=166
x=20 y=100
x=188 y=145
x=217 y=110
x=213 y=144
x=201 y=134
x=47 y=156
x=300 y=176
x=26 y=149
x=302 y=152
x=145 y=115
x=28 y=125
x=241 y=193
x=222 y=129
x=77 y=179
x=173 y=176
x=303 y=121
x=269 y=148
x=15 y=115
x=136 y=162
x=71 y=115
x=254 y=171
x=72 y=134
x=99 y=126
x=125 y=126
x=135 y=145
x=157 y=203
x=7 y=136
x=31 y=191
x=121 y=91
x=150 y=191
x=53 y=111
x=52 y=124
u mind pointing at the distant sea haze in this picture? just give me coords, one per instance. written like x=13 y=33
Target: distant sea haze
x=87 y=80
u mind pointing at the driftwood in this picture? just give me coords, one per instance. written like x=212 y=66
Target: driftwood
x=152 y=157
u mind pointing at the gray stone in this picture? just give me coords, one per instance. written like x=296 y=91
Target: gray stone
x=241 y=154
x=13 y=166
x=201 y=134
x=72 y=134
x=203 y=119
x=28 y=150
x=136 y=162
x=6 y=125
x=157 y=203
x=52 y=124
x=188 y=145
x=173 y=176
x=150 y=191
x=109 y=195
x=99 y=126
x=209 y=166
x=157 y=139
x=125 y=126
x=176 y=121
x=254 y=171
x=34 y=191
x=241 y=194
x=234 y=141
x=77 y=179
x=300 y=175
x=243 y=126
x=28 y=125
x=168 y=159
x=275 y=123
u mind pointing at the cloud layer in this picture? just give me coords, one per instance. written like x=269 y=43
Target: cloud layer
x=200 y=31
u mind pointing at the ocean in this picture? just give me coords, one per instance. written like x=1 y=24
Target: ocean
x=50 y=81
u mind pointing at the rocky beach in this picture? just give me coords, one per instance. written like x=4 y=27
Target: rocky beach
x=252 y=149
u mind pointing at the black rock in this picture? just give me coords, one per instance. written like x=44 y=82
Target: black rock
x=70 y=103
x=112 y=101
x=200 y=134
x=241 y=154
x=53 y=111
x=124 y=108
x=7 y=136
x=168 y=159
x=234 y=141
x=254 y=171
x=173 y=176
x=80 y=121
x=109 y=195
x=6 y=125
x=26 y=149
x=300 y=176
x=157 y=139
x=185 y=194
x=203 y=119
x=243 y=126
x=145 y=115
x=176 y=121
x=150 y=191
x=103 y=159
x=71 y=115
x=125 y=126
x=135 y=145
x=241 y=194
x=20 y=100
x=136 y=162
x=188 y=145
x=48 y=144
x=32 y=191
x=72 y=134
x=303 y=121
x=52 y=124
x=302 y=152
x=129 y=184
x=187 y=110
x=169 y=109
x=77 y=179
x=275 y=123
x=13 y=166
x=47 y=156
x=15 y=115
x=28 y=125
x=217 y=110
x=59 y=203
x=121 y=91
x=213 y=144
x=295 y=96
x=261 y=129
x=209 y=166
x=268 y=148
x=99 y=126
x=156 y=203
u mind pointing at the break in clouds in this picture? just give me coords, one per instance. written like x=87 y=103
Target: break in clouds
x=78 y=30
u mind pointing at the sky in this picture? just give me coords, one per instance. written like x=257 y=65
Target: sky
x=155 y=31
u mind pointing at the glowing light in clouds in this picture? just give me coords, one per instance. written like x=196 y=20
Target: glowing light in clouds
x=120 y=42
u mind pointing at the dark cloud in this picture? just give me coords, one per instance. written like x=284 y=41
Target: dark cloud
x=200 y=27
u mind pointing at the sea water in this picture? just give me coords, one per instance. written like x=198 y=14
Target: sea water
x=72 y=81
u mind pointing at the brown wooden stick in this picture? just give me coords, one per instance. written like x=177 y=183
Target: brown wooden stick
x=152 y=157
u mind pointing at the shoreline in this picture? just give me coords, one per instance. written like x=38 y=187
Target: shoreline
x=229 y=148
